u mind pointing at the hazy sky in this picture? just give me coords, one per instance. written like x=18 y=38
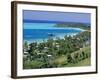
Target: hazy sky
x=31 y=16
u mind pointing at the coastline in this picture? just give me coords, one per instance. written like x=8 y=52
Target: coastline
x=61 y=36
x=71 y=28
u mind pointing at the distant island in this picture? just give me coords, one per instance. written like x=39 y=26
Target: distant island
x=85 y=26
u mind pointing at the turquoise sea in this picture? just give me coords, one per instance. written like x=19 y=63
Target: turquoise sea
x=36 y=32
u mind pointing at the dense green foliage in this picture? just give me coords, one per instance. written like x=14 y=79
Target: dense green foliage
x=73 y=25
x=57 y=52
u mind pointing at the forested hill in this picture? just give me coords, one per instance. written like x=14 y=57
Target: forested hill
x=74 y=25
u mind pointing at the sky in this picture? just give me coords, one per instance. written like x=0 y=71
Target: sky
x=31 y=16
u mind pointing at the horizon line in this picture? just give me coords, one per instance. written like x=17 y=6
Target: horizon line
x=46 y=21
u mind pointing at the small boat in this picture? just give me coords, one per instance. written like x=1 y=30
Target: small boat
x=51 y=34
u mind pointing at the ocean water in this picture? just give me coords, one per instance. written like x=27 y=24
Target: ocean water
x=43 y=34
x=34 y=32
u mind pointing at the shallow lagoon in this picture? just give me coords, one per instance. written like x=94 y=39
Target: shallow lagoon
x=37 y=32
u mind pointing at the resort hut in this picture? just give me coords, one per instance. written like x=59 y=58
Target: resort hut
x=45 y=49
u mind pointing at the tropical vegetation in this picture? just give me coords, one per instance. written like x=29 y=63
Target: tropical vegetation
x=69 y=51
x=74 y=25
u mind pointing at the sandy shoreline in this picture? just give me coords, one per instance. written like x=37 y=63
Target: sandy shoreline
x=61 y=36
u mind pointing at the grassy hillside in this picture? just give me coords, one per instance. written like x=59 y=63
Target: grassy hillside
x=85 y=61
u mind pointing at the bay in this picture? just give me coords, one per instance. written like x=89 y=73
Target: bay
x=43 y=31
